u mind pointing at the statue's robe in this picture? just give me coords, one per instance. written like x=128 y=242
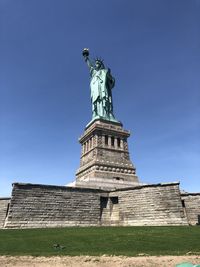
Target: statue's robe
x=101 y=97
x=98 y=85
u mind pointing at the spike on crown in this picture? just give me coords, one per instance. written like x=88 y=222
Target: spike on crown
x=99 y=60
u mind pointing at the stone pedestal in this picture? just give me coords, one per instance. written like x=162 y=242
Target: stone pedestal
x=105 y=161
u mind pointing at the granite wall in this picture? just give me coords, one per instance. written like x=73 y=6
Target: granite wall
x=158 y=204
x=34 y=206
x=4 y=202
x=191 y=203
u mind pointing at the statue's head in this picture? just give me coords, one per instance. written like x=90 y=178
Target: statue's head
x=99 y=64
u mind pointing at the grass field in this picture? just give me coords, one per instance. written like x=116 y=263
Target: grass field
x=128 y=241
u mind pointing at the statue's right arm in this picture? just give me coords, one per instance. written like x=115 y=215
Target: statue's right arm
x=90 y=66
x=89 y=63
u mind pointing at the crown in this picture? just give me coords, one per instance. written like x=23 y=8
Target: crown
x=98 y=59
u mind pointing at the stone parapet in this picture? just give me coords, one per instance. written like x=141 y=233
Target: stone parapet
x=158 y=204
x=35 y=206
x=191 y=204
x=4 y=204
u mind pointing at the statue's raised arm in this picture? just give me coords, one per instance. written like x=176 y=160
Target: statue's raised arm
x=86 y=57
x=101 y=85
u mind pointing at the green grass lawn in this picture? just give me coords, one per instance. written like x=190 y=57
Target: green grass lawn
x=128 y=241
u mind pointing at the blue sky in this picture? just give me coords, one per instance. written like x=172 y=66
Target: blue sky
x=153 y=50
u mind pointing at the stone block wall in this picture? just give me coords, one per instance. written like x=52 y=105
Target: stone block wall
x=150 y=205
x=4 y=202
x=191 y=203
x=35 y=206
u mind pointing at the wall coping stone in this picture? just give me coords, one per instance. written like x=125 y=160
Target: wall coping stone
x=190 y=194
x=61 y=187
x=146 y=185
x=104 y=191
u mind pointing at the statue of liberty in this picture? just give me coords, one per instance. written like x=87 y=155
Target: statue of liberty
x=101 y=85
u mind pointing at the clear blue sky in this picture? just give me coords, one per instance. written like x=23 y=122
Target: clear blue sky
x=153 y=50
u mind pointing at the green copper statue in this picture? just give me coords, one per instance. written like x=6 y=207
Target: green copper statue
x=101 y=85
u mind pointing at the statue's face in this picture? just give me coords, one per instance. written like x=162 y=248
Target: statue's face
x=97 y=65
